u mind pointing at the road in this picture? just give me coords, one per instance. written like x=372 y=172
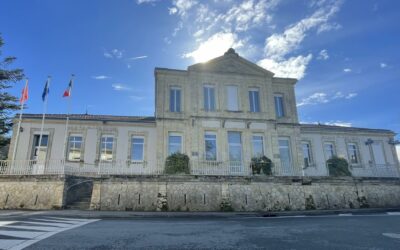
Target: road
x=46 y=230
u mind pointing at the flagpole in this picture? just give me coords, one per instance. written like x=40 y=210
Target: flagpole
x=19 y=124
x=43 y=116
x=67 y=120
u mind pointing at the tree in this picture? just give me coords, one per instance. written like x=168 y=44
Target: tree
x=8 y=102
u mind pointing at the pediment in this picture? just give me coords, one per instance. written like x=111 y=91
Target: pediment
x=230 y=62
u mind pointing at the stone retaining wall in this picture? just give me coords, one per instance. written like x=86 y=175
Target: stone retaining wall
x=31 y=192
x=182 y=193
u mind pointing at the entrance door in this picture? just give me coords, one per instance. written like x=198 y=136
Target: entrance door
x=235 y=152
x=39 y=154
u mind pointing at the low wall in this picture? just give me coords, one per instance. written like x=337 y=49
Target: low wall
x=190 y=193
x=31 y=192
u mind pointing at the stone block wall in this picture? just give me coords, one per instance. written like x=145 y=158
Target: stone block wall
x=181 y=193
x=31 y=192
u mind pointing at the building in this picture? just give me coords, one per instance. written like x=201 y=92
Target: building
x=221 y=114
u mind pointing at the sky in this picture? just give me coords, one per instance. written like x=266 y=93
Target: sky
x=344 y=53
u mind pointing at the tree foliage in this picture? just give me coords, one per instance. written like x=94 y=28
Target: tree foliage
x=261 y=163
x=338 y=166
x=177 y=163
x=8 y=102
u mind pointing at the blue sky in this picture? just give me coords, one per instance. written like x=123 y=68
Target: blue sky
x=345 y=53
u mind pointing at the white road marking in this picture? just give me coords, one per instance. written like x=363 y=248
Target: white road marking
x=345 y=214
x=393 y=213
x=392 y=235
x=46 y=229
x=67 y=219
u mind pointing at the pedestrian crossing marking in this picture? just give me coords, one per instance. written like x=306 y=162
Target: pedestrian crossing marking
x=32 y=230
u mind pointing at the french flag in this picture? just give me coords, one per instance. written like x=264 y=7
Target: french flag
x=67 y=92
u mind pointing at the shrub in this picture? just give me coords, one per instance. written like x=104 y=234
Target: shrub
x=261 y=163
x=177 y=163
x=338 y=166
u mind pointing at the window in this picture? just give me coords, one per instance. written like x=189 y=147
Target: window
x=258 y=145
x=353 y=153
x=210 y=141
x=329 y=149
x=279 y=110
x=175 y=99
x=137 y=148
x=174 y=143
x=284 y=153
x=74 y=148
x=235 y=146
x=209 y=98
x=39 y=154
x=254 y=100
x=232 y=94
x=307 y=156
x=377 y=151
x=106 y=148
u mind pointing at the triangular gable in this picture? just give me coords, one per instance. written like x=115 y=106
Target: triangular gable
x=231 y=62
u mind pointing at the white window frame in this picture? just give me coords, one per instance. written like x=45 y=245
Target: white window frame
x=205 y=145
x=232 y=103
x=173 y=103
x=310 y=157
x=207 y=102
x=356 y=152
x=169 y=143
x=132 y=147
x=279 y=105
x=105 y=149
x=252 y=101
x=262 y=143
x=333 y=149
x=69 y=148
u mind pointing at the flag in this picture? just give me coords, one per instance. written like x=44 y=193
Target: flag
x=24 y=95
x=46 y=90
x=67 y=92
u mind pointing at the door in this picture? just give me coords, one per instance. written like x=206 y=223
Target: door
x=284 y=152
x=235 y=152
x=39 y=153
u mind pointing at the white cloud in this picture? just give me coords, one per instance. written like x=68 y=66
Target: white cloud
x=347 y=70
x=101 y=77
x=293 y=67
x=338 y=123
x=120 y=87
x=137 y=57
x=181 y=7
x=215 y=46
x=321 y=98
x=114 y=53
x=323 y=55
x=383 y=65
x=146 y=1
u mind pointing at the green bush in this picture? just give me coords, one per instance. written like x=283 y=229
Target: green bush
x=338 y=166
x=177 y=163
x=261 y=163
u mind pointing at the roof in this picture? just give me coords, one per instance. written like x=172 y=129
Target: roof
x=87 y=117
x=343 y=129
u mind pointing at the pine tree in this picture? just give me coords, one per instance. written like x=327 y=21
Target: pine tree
x=8 y=102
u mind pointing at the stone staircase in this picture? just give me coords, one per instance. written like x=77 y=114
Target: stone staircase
x=79 y=195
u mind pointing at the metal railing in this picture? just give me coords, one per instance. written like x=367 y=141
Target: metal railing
x=197 y=167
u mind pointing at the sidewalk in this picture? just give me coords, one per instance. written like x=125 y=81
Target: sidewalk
x=134 y=214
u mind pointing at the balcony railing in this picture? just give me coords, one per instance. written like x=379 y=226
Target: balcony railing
x=197 y=167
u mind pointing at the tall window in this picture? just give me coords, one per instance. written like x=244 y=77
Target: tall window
x=209 y=98
x=235 y=146
x=106 y=148
x=232 y=94
x=258 y=145
x=137 y=148
x=329 y=149
x=174 y=143
x=39 y=153
x=210 y=141
x=279 y=110
x=307 y=156
x=175 y=99
x=74 y=148
x=284 y=152
x=254 y=100
x=378 y=154
x=353 y=153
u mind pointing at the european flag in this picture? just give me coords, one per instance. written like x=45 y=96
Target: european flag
x=46 y=90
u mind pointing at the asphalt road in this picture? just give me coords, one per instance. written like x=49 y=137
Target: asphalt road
x=375 y=231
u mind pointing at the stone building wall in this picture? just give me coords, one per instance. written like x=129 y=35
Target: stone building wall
x=28 y=192
x=181 y=193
